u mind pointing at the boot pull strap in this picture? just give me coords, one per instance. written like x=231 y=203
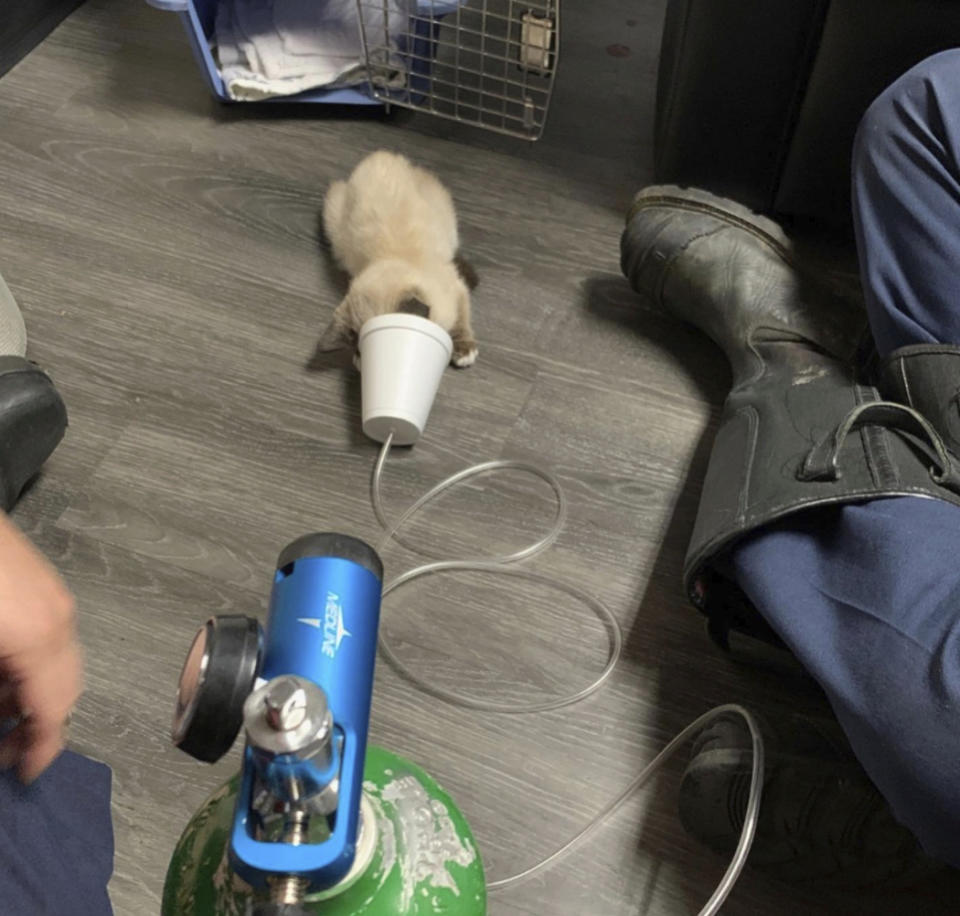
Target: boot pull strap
x=823 y=460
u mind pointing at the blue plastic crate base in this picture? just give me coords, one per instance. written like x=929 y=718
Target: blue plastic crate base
x=199 y=21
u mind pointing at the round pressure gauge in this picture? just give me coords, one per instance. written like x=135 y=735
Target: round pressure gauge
x=218 y=675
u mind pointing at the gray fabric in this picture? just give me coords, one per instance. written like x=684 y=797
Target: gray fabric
x=13 y=334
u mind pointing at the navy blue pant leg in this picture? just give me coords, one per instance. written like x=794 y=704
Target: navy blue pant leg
x=906 y=194
x=56 y=841
x=868 y=596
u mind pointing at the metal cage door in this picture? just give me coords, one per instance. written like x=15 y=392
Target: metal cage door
x=490 y=63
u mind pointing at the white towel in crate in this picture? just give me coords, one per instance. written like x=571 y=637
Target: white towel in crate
x=270 y=48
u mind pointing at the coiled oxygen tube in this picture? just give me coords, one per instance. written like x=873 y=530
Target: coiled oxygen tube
x=503 y=565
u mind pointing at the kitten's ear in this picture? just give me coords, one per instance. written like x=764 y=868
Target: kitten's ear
x=414 y=305
x=338 y=335
x=467 y=271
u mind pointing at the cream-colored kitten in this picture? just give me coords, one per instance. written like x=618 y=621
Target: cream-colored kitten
x=393 y=228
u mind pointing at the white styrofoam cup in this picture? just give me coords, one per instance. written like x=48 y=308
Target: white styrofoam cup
x=402 y=358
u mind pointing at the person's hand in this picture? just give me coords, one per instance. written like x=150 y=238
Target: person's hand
x=40 y=660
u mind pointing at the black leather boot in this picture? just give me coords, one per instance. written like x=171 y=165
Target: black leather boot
x=927 y=378
x=799 y=429
x=33 y=419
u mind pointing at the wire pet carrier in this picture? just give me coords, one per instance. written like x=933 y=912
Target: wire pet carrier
x=490 y=63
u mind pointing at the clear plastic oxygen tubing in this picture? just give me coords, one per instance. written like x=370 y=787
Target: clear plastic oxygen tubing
x=501 y=565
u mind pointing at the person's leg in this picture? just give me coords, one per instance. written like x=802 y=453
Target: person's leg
x=906 y=207
x=868 y=599
x=13 y=333
x=56 y=838
x=868 y=596
x=801 y=514
x=56 y=842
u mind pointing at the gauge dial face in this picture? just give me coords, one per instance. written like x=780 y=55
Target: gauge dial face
x=191 y=683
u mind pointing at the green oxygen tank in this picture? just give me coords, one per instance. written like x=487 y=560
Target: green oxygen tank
x=420 y=858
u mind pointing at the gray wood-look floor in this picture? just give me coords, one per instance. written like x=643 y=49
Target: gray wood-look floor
x=165 y=253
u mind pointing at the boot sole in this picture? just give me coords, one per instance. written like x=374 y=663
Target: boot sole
x=694 y=200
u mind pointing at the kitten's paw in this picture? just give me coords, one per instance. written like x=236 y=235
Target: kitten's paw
x=356 y=361
x=464 y=356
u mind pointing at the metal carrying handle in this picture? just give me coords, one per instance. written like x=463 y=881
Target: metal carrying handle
x=823 y=460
